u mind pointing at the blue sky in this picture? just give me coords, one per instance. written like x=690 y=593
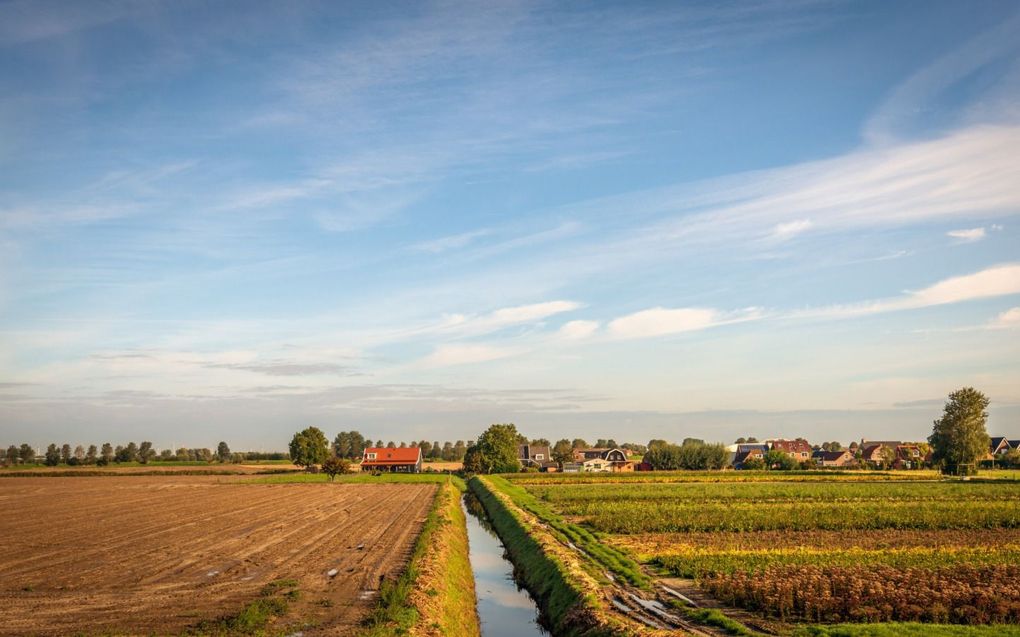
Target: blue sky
x=232 y=220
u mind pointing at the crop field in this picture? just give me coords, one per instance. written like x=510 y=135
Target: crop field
x=174 y=554
x=810 y=550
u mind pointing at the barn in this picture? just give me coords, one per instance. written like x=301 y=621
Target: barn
x=405 y=460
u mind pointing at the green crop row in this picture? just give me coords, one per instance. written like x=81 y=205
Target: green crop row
x=776 y=492
x=697 y=563
x=670 y=516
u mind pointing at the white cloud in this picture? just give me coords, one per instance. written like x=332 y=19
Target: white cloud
x=968 y=235
x=450 y=354
x=659 y=321
x=790 y=229
x=451 y=242
x=1000 y=280
x=577 y=330
x=528 y=313
x=1010 y=319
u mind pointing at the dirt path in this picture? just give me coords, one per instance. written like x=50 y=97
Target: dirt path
x=154 y=555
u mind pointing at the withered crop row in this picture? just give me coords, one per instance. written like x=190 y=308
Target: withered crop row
x=869 y=593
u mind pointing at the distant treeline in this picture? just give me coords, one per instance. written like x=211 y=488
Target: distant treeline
x=142 y=453
x=352 y=445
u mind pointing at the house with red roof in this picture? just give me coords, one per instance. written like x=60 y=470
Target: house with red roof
x=799 y=449
x=406 y=460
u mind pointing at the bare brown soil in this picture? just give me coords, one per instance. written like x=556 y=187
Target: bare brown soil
x=157 y=555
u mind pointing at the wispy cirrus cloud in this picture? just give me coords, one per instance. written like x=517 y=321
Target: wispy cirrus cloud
x=451 y=242
x=1000 y=280
x=967 y=235
x=659 y=321
x=450 y=354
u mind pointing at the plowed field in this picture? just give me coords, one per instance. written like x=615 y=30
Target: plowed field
x=157 y=555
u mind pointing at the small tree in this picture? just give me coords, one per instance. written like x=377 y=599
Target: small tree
x=12 y=455
x=27 y=453
x=780 y=460
x=562 y=452
x=332 y=466
x=106 y=456
x=579 y=443
x=959 y=439
x=65 y=453
x=309 y=447
x=474 y=462
x=145 y=452
x=52 y=455
x=223 y=452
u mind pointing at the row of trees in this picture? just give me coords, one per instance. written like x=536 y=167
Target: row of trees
x=107 y=453
x=351 y=445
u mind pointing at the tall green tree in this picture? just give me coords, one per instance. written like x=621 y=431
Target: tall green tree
x=309 y=447
x=52 y=455
x=959 y=438
x=65 y=453
x=498 y=446
x=357 y=445
x=13 y=456
x=579 y=443
x=145 y=452
x=27 y=453
x=342 y=445
x=223 y=452
x=562 y=451
x=106 y=455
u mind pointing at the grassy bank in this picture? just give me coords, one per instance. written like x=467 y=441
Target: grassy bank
x=566 y=585
x=435 y=595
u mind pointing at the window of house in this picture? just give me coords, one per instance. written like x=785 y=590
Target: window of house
x=370 y=456
x=539 y=456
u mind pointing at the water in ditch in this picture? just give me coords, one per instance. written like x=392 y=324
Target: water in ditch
x=505 y=609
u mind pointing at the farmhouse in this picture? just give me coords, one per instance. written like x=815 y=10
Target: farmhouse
x=533 y=455
x=1000 y=446
x=603 y=460
x=908 y=457
x=406 y=460
x=798 y=449
x=833 y=458
x=747 y=452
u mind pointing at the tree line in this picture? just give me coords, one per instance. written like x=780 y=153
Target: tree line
x=142 y=453
x=351 y=445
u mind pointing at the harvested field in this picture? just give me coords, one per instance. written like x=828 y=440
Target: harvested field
x=159 y=555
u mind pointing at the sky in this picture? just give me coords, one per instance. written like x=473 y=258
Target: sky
x=233 y=220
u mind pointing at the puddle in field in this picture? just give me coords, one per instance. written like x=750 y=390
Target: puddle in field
x=505 y=610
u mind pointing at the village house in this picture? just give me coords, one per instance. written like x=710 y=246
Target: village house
x=603 y=460
x=747 y=452
x=872 y=451
x=840 y=458
x=908 y=457
x=533 y=455
x=1000 y=446
x=798 y=449
x=405 y=460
